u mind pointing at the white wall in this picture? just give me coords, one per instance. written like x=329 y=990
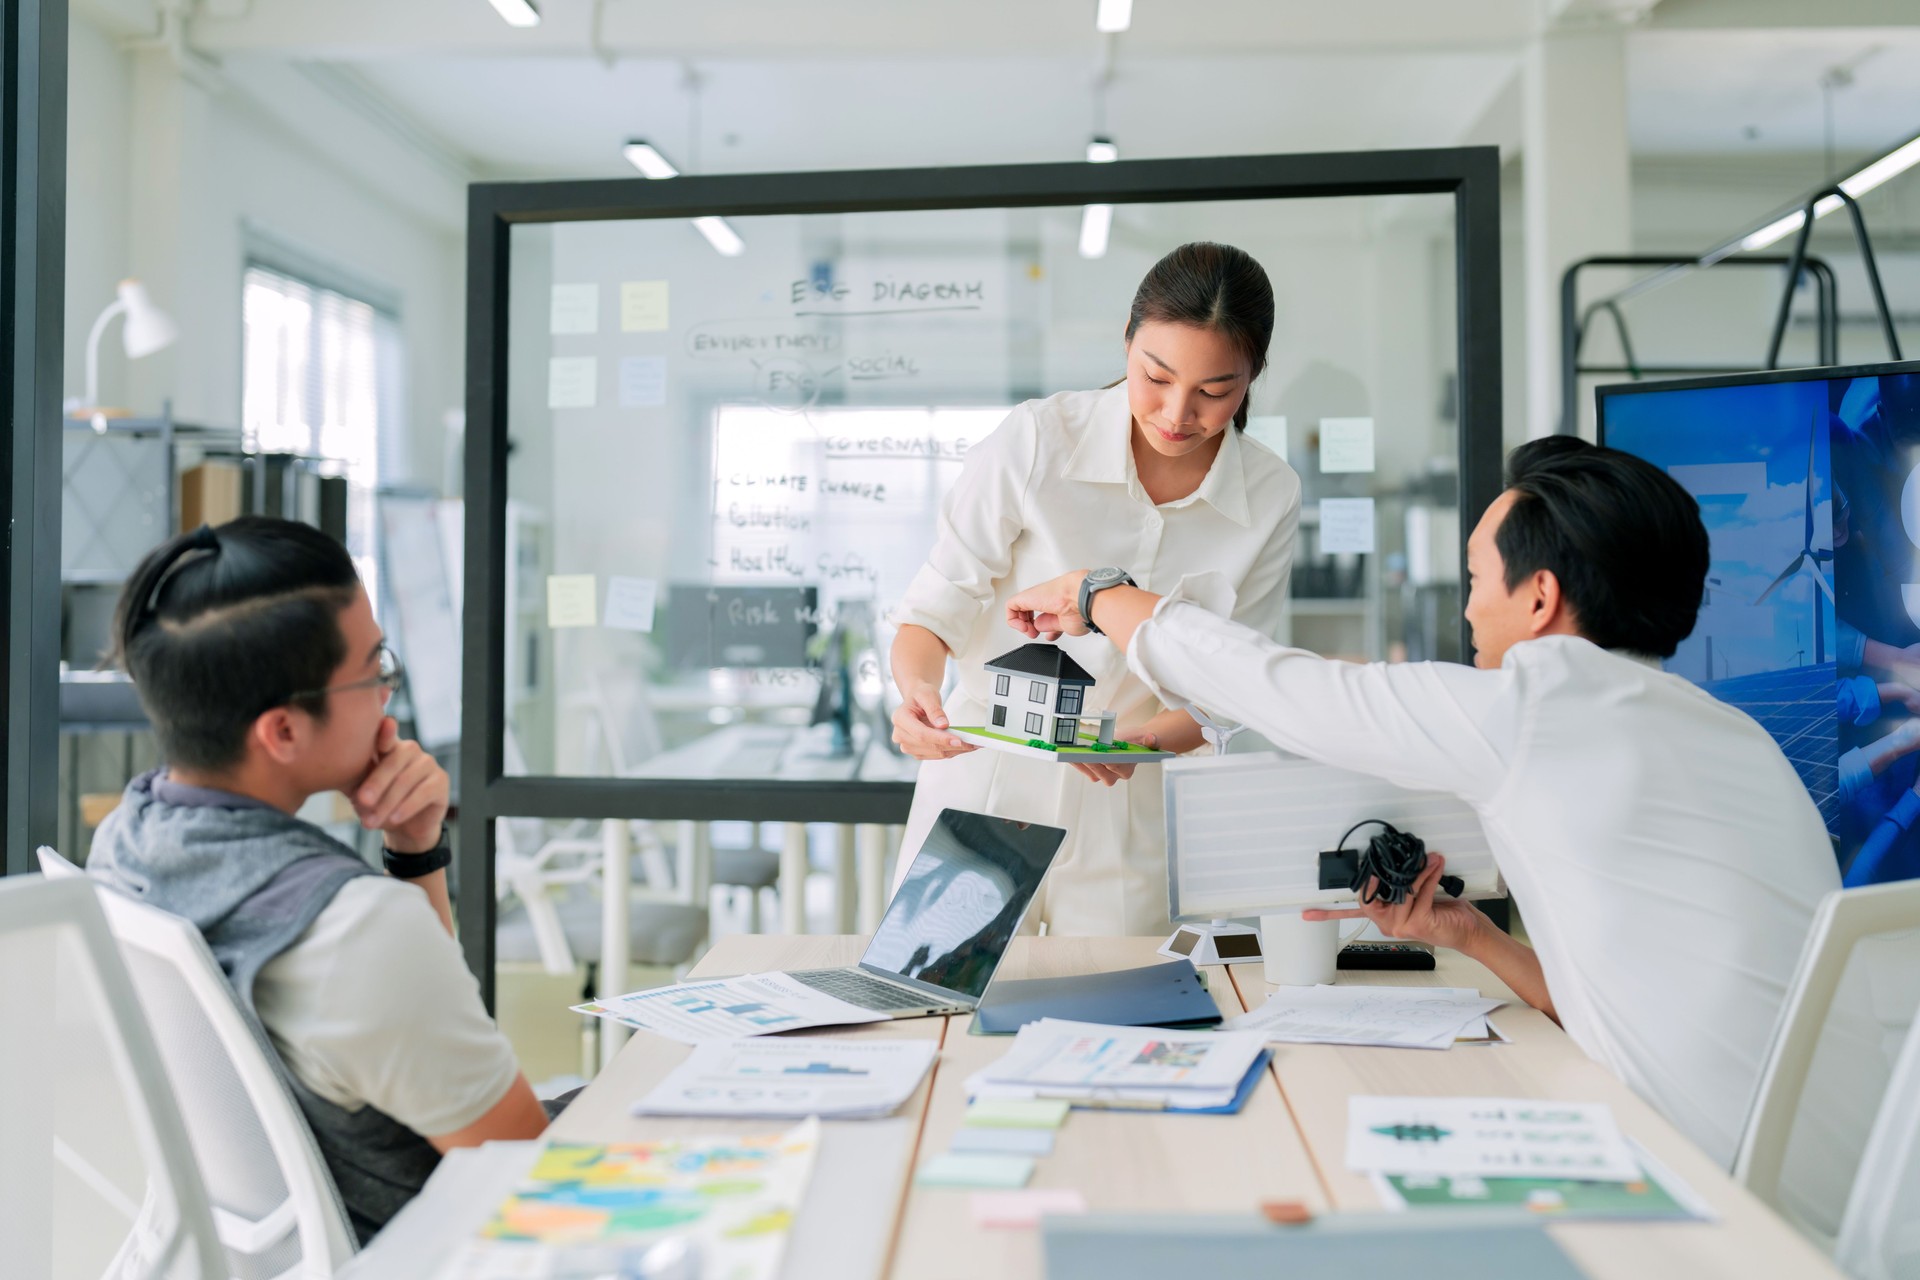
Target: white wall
x=169 y=174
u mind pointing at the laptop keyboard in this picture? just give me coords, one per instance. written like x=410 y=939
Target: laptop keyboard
x=856 y=987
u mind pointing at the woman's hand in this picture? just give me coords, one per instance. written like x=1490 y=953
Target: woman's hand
x=1443 y=922
x=920 y=725
x=1112 y=773
x=1050 y=609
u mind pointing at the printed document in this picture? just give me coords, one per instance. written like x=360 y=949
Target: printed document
x=792 y=1077
x=1488 y=1138
x=729 y=1008
x=1395 y=1017
x=1055 y=1052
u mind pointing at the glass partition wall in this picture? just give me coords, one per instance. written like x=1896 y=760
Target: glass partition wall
x=709 y=438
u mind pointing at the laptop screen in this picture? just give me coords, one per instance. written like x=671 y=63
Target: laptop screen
x=962 y=899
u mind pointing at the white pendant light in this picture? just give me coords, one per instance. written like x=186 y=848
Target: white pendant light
x=1096 y=221
x=1102 y=151
x=1112 y=16
x=645 y=157
x=721 y=236
x=517 y=13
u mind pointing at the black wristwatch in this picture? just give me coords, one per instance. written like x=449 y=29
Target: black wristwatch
x=1099 y=580
x=411 y=866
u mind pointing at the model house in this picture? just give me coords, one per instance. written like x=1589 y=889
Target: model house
x=1037 y=692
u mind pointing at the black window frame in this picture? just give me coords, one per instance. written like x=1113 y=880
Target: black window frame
x=1002 y=683
x=1035 y=730
x=1066 y=731
x=1470 y=175
x=1037 y=691
x=1070 y=693
x=999 y=715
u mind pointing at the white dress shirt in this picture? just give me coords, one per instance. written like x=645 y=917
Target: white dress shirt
x=1665 y=854
x=1054 y=488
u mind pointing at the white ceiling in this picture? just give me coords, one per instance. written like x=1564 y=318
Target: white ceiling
x=568 y=116
x=1747 y=91
x=787 y=84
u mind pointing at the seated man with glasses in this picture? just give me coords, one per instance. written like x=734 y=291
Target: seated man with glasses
x=257 y=657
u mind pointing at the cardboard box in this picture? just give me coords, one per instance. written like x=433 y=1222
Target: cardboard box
x=209 y=494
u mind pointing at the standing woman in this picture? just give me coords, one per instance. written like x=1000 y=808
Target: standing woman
x=1151 y=476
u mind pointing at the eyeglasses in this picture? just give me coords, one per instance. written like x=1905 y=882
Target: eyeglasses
x=390 y=677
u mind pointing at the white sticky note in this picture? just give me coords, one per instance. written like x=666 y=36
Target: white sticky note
x=630 y=603
x=572 y=382
x=570 y=600
x=643 y=306
x=1346 y=526
x=643 y=382
x=576 y=309
x=1270 y=429
x=1346 y=444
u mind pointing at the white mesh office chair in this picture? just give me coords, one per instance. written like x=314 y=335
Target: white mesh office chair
x=1880 y=926
x=1880 y=1234
x=274 y=1204
x=83 y=1096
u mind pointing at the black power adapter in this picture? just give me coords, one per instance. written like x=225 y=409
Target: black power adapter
x=1392 y=860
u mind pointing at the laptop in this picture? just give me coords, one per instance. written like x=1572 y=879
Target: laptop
x=950 y=924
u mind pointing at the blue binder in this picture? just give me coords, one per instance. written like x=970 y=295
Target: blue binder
x=1159 y=995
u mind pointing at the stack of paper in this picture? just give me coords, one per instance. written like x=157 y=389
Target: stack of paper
x=1396 y=1017
x=792 y=1077
x=1121 y=1066
x=757 y=1004
x=1488 y=1138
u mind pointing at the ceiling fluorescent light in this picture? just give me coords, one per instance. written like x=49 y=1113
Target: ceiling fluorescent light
x=642 y=156
x=1891 y=165
x=518 y=13
x=1787 y=226
x=1113 y=15
x=721 y=236
x=1096 y=221
x=1102 y=151
x=1894 y=162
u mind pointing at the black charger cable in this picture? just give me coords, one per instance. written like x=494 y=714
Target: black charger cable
x=1392 y=860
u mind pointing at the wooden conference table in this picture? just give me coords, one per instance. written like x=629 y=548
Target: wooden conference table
x=1287 y=1144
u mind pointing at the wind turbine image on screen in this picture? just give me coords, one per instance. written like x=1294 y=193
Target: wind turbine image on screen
x=1809 y=561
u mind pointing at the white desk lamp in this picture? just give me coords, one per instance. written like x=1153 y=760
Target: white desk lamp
x=148 y=329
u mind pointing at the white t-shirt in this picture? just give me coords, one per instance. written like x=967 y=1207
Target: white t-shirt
x=1666 y=856
x=375 y=1006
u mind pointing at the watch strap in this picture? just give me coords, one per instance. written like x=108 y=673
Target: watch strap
x=411 y=866
x=1097 y=581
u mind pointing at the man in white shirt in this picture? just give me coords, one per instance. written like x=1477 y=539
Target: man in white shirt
x=258 y=659
x=1664 y=852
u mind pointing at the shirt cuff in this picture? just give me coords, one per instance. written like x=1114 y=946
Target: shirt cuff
x=1195 y=593
x=1905 y=810
x=1859 y=700
x=1853 y=648
x=1855 y=773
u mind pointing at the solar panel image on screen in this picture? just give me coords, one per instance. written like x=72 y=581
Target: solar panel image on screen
x=1809 y=487
x=1796 y=707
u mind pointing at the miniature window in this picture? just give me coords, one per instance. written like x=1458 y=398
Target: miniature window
x=1065 y=729
x=1000 y=715
x=1038 y=692
x=1070 y=701
x=1036 y=723
x=1000 y=685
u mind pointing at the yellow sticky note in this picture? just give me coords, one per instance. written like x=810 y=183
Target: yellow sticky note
x=643 y=306
x=570 y=600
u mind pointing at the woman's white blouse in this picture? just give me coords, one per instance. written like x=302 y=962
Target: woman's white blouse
x=1054 y=488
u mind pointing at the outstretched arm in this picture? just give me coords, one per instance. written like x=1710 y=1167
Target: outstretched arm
x=1456 y=923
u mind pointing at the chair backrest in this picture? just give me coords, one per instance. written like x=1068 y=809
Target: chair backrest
x=1844 y=920
x=1880 y=1234
x=85 y=1107
x=274 y=1203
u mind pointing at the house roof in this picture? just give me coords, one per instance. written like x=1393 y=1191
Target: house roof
x=1049 y=661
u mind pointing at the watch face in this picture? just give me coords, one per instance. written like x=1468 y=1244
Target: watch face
x=1101 y=577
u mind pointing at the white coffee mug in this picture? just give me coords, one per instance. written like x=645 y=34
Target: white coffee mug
x=1302 y=953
